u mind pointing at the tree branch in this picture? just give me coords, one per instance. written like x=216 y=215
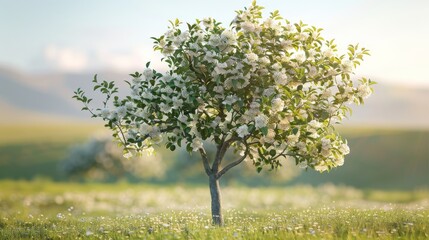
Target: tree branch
x=235 y=163
x=231 y=165
x=205 y=161
x=119 y=126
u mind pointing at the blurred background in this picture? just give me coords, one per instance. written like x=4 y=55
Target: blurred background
x=49 y=48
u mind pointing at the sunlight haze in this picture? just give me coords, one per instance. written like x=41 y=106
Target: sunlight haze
x=89 y=36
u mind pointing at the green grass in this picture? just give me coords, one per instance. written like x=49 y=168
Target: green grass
x=65 y=133
x=380 y=158
x=47 y=210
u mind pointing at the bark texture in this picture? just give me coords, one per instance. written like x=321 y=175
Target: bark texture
x=216 y=200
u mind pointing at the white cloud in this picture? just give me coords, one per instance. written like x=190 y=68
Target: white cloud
x=132 y=59
x=66 y=59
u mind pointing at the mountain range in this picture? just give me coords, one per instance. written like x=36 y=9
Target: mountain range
x=46 y=98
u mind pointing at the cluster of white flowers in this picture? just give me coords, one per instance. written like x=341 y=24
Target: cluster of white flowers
x=267 y=81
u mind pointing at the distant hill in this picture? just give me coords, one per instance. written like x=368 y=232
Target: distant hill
x=50 y=94
x=395 y=159
x=379 y=159
x=41 y=97
x=394 y=106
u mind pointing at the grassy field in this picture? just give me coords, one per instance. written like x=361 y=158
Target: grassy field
x=380 y=158
x=47 y=210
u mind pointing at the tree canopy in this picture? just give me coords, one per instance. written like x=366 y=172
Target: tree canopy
x=267 y=88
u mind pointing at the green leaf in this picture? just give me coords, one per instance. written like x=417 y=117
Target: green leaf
x=172 y=147
x=264 y=131
x=295 y=130
x=228 y=107
x=272 y=152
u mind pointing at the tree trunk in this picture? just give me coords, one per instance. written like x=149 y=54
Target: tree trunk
x=216 y=201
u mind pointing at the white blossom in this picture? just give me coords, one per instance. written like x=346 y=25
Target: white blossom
x=252 y=57
x=364 y=91
x=130 y=105
x=315 y=124
x=121 y=111
x=300 y=56
x=280 y=78
x=229 y=100
x=261 y=121
x=277 y=104
x=258 y=74
x=248 y=26
x=145 y=129
x=284 y=124
x=197 y=144
x=293 y=139
x=344 y=149
x=182 y=118
x=220 y=68
x=165 y=108
x=328 y=53
x=105 y=113
x=312 y=72
x=346 y=66
x=137 y=80
x=242 y=131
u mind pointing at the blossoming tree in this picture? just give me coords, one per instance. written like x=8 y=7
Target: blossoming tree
x=268 y=89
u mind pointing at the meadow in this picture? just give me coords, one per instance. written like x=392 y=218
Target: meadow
x=380 y=193
x=47 y=210
x=379 y=159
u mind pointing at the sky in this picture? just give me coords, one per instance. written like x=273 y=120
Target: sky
x=90 y=36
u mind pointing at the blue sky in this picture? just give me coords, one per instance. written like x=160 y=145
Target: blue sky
x=82 y=35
